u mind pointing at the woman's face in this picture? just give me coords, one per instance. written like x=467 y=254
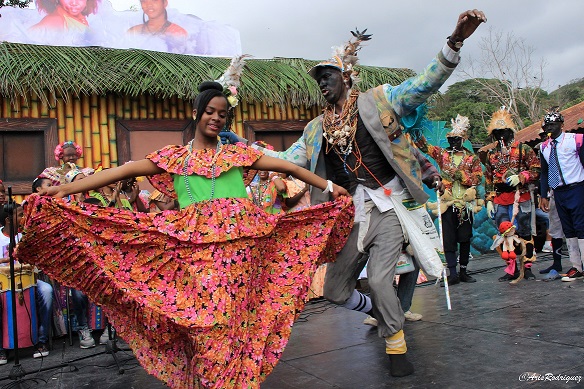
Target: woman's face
x=73 y=7
x=214 y=117
x=153 y=8
x=70 y=155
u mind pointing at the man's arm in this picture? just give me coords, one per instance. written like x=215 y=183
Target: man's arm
x=405 y=97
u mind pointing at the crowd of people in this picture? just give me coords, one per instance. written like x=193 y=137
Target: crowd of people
x=204 y=277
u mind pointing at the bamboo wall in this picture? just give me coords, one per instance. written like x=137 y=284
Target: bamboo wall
x=91 y=120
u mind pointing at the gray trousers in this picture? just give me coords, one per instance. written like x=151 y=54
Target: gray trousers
x=383 y=243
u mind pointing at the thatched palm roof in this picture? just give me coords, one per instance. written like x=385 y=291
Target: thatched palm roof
x=96 y=70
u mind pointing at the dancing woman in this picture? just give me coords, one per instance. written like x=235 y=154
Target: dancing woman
x=205 y=296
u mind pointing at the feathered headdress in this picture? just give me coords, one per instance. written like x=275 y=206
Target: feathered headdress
x=345 y=57
x=231 y=79
x=460 y=126
x=501 y=120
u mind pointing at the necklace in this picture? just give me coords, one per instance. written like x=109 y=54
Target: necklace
x=212 y=166
x=339 y=130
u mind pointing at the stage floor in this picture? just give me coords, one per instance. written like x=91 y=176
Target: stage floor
x=495 y=336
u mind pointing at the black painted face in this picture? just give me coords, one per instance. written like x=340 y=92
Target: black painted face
x=502 y=134
x=455 y=142
x=331 y=84
x=553 y=129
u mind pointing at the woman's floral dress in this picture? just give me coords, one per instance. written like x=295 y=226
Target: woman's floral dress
x=205 y=296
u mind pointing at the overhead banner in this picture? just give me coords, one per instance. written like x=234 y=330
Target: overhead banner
x=152 y=25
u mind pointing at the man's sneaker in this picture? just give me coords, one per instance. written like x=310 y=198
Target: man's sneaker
x=41 y=351
x=105 y=336
x=3 y=357
x=370 y=321
x=411 y=316
x=547 y=247
x=85 y=339
x=572 y=275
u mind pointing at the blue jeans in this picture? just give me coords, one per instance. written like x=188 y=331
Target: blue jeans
x=80 y=304
x=522 y=220
x=44 y=298
x=406 y=287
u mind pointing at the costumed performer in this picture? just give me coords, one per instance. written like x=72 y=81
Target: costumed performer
x=358 y=143
x=562 y=171
x=510 y=168
x=205 y=296
x=461 y=172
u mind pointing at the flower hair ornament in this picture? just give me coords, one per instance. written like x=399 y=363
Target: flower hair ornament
x=231 y=79
x=344 y=57
x=60 y=149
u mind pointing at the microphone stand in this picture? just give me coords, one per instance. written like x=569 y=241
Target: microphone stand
x=17 y=371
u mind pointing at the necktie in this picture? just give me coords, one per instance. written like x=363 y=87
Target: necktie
x=553 y=168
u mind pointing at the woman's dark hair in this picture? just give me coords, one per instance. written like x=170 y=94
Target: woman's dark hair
x=37 y=183
x=49 y=6
x=208 y=90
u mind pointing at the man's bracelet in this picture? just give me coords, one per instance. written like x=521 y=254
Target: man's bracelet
x=329 y=187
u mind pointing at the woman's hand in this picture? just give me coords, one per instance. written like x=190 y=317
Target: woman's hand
x=339 y=191
x=55 y=191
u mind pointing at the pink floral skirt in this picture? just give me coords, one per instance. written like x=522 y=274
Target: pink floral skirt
x=206 y=296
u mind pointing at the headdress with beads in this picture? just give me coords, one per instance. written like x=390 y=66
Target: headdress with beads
x=61 y=146
x=460 y=126
x=501 y=120
x=344 y=57
x=552 y=116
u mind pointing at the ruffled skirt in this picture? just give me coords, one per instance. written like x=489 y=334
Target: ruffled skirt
x=206 y=296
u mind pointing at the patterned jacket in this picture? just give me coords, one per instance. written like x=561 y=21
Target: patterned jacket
x=468 y=172
x=499 y=166
x=380 y=109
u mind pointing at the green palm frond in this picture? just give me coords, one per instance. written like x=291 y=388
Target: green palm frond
x=64 y=71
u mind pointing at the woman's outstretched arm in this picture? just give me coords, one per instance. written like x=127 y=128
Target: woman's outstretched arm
x=144 y=167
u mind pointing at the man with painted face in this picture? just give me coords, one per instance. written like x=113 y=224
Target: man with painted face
x=461 y=171
x=510 y=168
x=358 y=143
x=562 y=171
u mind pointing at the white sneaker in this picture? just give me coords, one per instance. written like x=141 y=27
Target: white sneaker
x=370 y=321
x=85 y=338
x=547 y=247
x=411 y=316
x=105 y=336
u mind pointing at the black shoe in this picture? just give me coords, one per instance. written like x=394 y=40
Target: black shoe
x=528 y=274
x=399 y=365
x=465 y=277
x=452 y=280
x=508 y=277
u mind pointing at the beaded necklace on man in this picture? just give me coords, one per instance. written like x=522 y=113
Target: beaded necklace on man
x=212 y=166
x=339 y=132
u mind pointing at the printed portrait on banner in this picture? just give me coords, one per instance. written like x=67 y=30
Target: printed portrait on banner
x=150 y=25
